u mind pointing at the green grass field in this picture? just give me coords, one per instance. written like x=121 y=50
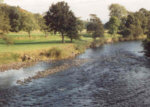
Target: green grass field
x=38 y=43
x=34 y=45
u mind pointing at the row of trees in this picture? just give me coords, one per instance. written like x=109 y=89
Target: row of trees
x=15 y=19
x=59 y=18
x=128 y=24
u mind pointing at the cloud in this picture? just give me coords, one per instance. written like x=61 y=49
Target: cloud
x=82 y=8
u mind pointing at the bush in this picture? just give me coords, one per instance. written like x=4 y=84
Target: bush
x=54 y=53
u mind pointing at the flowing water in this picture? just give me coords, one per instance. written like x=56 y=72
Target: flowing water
x=116 y=75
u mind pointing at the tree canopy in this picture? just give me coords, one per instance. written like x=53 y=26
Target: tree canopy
x=95 y=26
x=60 y=18
x=113 y=25
x=118 y=11
x=4 y=23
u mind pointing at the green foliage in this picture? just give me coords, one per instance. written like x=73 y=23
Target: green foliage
x=41 y=24
x=118 y=11
x=54 y=53
x=4 y=23
x=95 y=26
x=132 y=26
x=113 y=25
x=73 y=27
x=28 y=23
x=13 y=15
x=80 y=25
x=59 y=17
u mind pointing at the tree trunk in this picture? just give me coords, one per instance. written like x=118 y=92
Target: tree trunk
x=71 y=40
x=62 y=37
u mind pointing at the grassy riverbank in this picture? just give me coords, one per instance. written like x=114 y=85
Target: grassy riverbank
x=39 y=47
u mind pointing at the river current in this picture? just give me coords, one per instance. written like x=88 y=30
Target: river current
x=115 y=75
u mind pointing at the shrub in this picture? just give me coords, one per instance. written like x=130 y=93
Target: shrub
x=54 y=53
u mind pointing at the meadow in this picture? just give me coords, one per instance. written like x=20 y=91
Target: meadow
x=38 y=47
x=33 y=46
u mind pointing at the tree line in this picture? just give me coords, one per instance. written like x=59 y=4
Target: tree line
x=126 y=23
x=60 y=18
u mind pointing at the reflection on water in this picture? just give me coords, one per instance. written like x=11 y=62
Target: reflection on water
x=134 y=47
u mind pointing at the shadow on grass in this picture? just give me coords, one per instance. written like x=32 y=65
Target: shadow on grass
x=87 y=35
x=40 y=42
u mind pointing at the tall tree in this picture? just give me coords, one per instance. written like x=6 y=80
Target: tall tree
x=14 y=16
x=41 y=24
x=57 y=18
x=28 y=23
x=95 y=26
x=80 y=25
x=113 y=25
x=132 y=26
x=118 y=11
x=73 y=28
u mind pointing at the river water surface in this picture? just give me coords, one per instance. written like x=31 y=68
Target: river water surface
x=115 y=75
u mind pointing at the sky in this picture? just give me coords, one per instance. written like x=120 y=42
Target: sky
x=81 y=8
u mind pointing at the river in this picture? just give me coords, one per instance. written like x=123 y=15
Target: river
x=115 y=75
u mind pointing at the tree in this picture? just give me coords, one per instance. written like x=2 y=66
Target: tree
x=118 y=11
x=113 y=25
x=95 y=26
x=57 y=18
x=28 y=23
x=80 y=25
x=14 y=16
x=132 y=26
x=4 y=23
x=41 y=23
x=72 y=31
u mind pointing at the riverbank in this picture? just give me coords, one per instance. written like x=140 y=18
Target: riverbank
x=118 y=78
x=56 y=51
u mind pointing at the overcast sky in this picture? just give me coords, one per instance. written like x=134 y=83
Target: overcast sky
x=82 y=8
